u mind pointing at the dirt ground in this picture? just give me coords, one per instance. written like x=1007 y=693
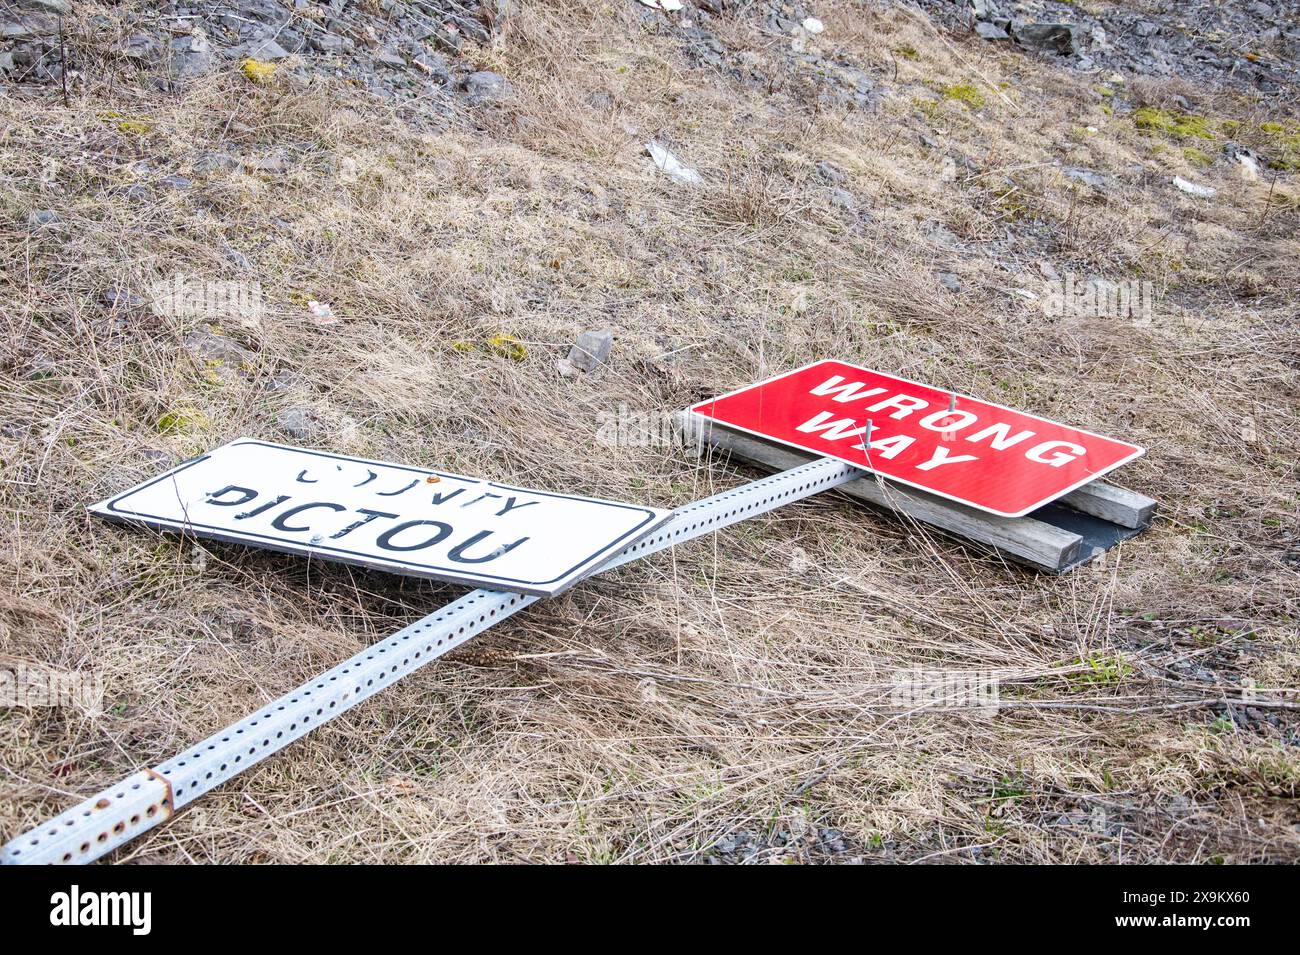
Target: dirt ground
x=902 y=202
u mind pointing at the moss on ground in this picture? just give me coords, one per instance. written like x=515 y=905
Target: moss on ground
x=965 y=93
x=1173 y=123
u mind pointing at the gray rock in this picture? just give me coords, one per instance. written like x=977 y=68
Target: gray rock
x=190 y=56
x=389 y=57
x=217 y=161
x=591 y=350
x=1244 y=155
x=136 y=192
x=291 y=39
x=1094 y=179
x=276 y=161
x=843 y=199
x=831 y=173
x=434 y=65
x=991 y=31
x=119 y=300
x=328 y=43
x=447 y=39
x=949 y=281
x=43 y=219
x=298 y=422
x=485 y=87
x=1062 y=38
x=48 y=6
x=266 y=49
x=209 y=346
x=238 y=259
x=706 y=48
x=266 y=11
x=282 y=381
x=176 y=183
x=30 y=25
x=139 y=46
x=497 y=12
x=940 y=234
x=860 y=81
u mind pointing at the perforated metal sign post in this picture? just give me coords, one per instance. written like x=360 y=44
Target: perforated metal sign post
x=985 y=455
x=385 y=516
x=141 y=801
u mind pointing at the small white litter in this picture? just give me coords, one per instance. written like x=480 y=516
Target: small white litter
x=668 y=6
x=322 y=314
x=670 y=165
x=1192 y=189
x=813 y=25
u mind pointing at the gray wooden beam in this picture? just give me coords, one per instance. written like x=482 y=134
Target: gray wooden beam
x=1114 y=504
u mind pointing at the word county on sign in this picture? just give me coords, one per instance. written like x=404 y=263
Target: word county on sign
x=960 y=448
x=386 y=516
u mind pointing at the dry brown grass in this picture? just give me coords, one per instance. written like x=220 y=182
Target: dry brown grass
x=644 y=714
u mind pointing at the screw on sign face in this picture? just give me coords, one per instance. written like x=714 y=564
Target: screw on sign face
x=985 y=455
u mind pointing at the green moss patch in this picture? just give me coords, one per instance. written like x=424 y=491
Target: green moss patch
x=966 y=93
x=1175 y=124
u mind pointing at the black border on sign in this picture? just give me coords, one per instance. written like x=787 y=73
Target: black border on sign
x=1137 y=451
x=112 y=508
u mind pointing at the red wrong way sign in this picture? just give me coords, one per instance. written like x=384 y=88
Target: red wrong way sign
x=985 y=455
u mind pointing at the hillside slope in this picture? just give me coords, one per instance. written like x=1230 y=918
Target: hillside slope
x=377 y=227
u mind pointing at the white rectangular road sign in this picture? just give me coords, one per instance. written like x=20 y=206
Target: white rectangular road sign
x=386 y=516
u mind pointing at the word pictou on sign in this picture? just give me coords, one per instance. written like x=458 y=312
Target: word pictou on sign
x=385 y=516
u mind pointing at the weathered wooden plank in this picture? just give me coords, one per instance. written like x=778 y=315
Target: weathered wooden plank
x=1114 y=504
x=1023 y=539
